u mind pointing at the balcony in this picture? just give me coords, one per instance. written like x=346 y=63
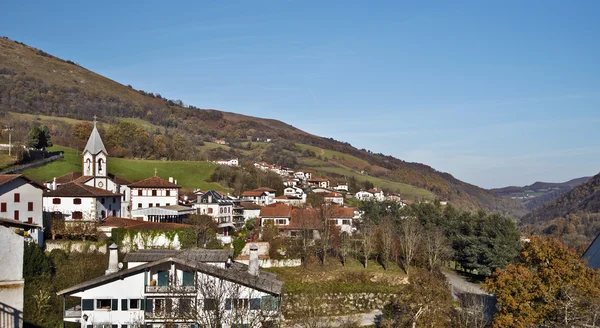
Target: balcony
x=170 y=289
x=74 y=312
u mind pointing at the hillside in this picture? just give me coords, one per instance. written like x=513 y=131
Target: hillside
x=583 y=199
x=45 y=87
x=539 y=193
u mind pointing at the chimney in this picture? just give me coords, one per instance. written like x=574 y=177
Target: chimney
x=53 y=184
x=175 y=182
x=113 y=259
x=171 y=179
x=253 y=262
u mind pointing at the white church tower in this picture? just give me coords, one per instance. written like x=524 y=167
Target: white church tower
x=94 y=159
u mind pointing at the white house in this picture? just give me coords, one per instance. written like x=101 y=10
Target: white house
x=189 y=288
x=76 y=201
x=279 y=214
x=95 y=173
x=334 y=197
x=260 y=196
x=12 y=284
x=319 y=182
x=291 y=199
x=341 y=187
x=228 y=162
x=154 y=192
x=21 y=200
x=251 y=210
x=344 y=219
x=371 y=194
x=221 y=208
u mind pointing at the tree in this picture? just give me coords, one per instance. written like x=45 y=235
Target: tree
x=39 y=138
x=386 y=232
x=437 y=247
x=201 y=225
x=550 y=286
x=410 y=237
x=367 y=241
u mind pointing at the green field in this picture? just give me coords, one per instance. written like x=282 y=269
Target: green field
x=45 y=119
x=6 y=161
x=189 y=174
x=346 y=159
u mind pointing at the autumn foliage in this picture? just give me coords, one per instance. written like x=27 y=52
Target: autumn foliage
x=550 y=285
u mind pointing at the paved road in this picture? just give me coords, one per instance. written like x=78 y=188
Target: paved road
x=364 y=319
x=461 y=285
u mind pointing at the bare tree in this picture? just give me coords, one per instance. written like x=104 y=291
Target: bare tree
x=473 y=311
x=201 y=225
x=410 y=237
x=345 y=246
x=367 y=241
x=387 y=230
x=325 y=213
x=437 y=246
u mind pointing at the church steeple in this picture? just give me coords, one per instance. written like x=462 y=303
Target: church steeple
x=94 y=155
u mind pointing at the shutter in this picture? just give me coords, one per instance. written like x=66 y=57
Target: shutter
x=149 y=305
x=163 y=278
x=115 y=305
x=124 y=305
x=115 y=326
x=90 y=326
x=87 y=305
x=188 y=278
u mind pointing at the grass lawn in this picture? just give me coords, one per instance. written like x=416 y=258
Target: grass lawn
x=330 y=154
x=189 y=174
x=6 y=161
x=334 y=277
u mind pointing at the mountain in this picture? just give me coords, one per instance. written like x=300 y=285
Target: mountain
x=36 y=86
x=583 y=199
x=539 y=193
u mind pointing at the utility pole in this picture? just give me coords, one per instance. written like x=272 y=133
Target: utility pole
x=9 y=128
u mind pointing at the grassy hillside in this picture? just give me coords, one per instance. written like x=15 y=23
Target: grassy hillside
x=190 y=174
x=39 y=84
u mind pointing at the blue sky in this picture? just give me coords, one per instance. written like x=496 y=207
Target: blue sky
x=495 y=93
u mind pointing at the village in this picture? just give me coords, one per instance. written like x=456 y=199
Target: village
x=95 y=202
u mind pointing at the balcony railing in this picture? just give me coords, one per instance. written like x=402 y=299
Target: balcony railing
x=170 y=289
x=73 y=313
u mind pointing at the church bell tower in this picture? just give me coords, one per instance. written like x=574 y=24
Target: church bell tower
x=94 y=158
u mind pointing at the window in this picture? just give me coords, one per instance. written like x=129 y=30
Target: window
x=167 y=204
x=3 y=207
x=139 y=205
x=210 y=304
x=87 y=305
x=77 y=215
x=210 y=210
x=163 y=278
x=134 y=304
x=188 y=278
x=185 y=306
x=281 y=221
x=103 y=214
x=16 y=215
x=157 y=204
x=77 y=201
x=114 y=200
x=103 y=304
x=269 y=303
x=168 y=193
x=56 y=201
x=17 y=197
x=150 y=205
x=30 y=206
x=139 y=192
x=154 y=192
x=159 y=306
x=29 y=220
x=346 y=222
x=114 y=213
x=102 y=200
x=255 y=304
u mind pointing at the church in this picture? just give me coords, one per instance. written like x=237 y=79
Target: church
x=95 y=194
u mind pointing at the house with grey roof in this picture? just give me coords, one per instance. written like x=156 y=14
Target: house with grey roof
x=187 y=288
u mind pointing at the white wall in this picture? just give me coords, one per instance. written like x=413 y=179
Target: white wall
x=11 y=277
x=28 y=193
x=161 y=197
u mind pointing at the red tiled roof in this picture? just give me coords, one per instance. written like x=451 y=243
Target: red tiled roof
x=250 y=206
x=5 y=178
x=131 y=224
x=265 y=189
x=333 y=194
x=75 y=189
x=343 y=212
x=252 y=193
x=373 y=191
x=304 y=218
x=278 y=210
x=154 y=182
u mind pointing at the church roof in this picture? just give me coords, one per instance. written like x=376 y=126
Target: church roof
x=94 y=144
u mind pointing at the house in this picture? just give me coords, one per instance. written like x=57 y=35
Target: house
x=154 y=192
x=251 y=210
x=377 y=194
x=95 y=173
x=394 y=198
x=344 y=217
x=220 y=141
x=221 y=207
x=279 y=214
x=21 y=200
x=291 y=199
x=228 y=162
x=303 y=174
x=334 y=198
x=260 y=196
x=12 y=285
x=291 y=182
x=319 y=182
x=189 y=288
x=371 y=194
x=75 y=201
x=164 y=214
x=341 y=187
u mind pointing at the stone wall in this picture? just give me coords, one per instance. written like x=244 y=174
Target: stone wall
x=74 y=246
x=332 y=304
